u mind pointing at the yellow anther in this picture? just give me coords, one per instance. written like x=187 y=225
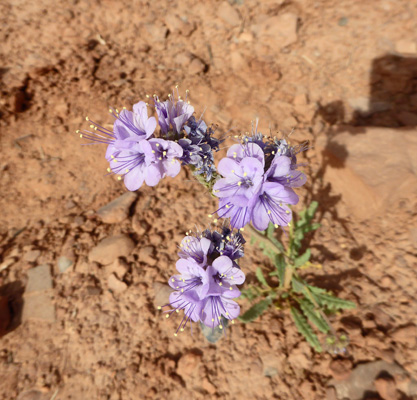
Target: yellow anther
x=273 y=152
x=177 y=311
x=287 y=211
x=233 y=321
x=127 y=170
x=157 y=145
x=173 y=280
x=119 y=178
x=275 y=225
x=167 y=316
x=236 y=136
x=245 y=174
x=239 y=183
x=227 y=206
x=159 y=308
x=215 y=220
x=230 y=288
x=212 y=320
x=228 y=237
x=210 y=215
x=242 y=229
x=175 y=334
x=289 y=224
x=108 y=169
x=221 y=326
x=219 y=317
x=231 y=277
x=269 y=211
x=233 y=171
x=77 y=131
x=153 y=151
x=159 y=158
x=91 y=126
x=110 y=110
x=227 y=313
x=220 y=284
x=117 y=111
x=112 y=156
x=164 y=153
x=81 y=135
x=182 y=290
x=86 y=118
x=182 y=330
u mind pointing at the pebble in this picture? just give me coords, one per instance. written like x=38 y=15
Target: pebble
x=281 y=29
x=340 y=368
x=196 y=66
x=115 y=284
x=406 y=335
x=228 y=14
x=39 y=306
x=117 y=210
x=39 y=278
x=188 y=364
x=118 y=267
x=386 y=388
x=32 y=256
x=146 y=255
x=161 y=294
x=64 y=263
x=110 y=248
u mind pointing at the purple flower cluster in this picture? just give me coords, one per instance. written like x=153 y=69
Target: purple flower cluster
x=258 y=181
x=208 y=274
x=138 y=156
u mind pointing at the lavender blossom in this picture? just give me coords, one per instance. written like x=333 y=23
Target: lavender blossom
x=173 y=113
x=206 y=283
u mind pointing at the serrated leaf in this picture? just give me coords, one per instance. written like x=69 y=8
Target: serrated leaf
x=280 y=266
x=301 y=260
x=312 y=209
x=313 y=316
x=305 y=329
x=333 y=303
x=255 y=311
x=261 y=277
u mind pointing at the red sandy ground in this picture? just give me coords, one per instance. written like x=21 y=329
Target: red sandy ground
x=63 y=60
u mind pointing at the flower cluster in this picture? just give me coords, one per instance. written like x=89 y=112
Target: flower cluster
x=208 y=274
x=138 y=155
x=258 y=181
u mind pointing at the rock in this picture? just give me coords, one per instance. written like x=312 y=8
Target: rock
x=39 y=278
x=38 y=305
x=340 y=368
x=406 y=335
x=300 y=100
x=118 y=209
x=110 y=248
x=280 y=30
x=31 y=256
x=115 y=284
x=228 y=14
x=146 y=255
x=386 y=388
x=331 y=394
x=361 y=379
x=157 y=31
x=161 y=294
x=177 y=25
x=188 y=364
x=64 y=263
x=360 y=104
x=379 y=178
x=406 y=46
x=196 y=66
x=4 y=315
x=237 y=61
x=118 y=267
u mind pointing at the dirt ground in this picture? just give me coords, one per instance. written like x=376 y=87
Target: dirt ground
x=342 y=73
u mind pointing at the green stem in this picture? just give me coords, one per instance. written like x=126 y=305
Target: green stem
x=263 y=238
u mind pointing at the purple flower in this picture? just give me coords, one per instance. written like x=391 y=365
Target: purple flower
x=206 y=283
x=248 y=192
x=173 y=114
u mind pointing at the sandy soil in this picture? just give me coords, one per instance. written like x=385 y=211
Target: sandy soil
x=322 y=67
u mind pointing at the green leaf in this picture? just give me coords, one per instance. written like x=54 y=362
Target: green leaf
x=255 y=311
x=301 y=260
x=305 y=329
x=314 y=316
x=297 y=286
x=261 y=277
x=333 y=303
x=312 y=209
x=280 y=266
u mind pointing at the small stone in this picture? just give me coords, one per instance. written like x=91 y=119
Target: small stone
x=340 y=368
x=146 y=255
x=331 y=394
x=110 y=248
x=208 y=386
x=188 y=364
x=119 y=267
x=386 y=388
x=300 y=100
x=39 y=278
x=270 y=371
x=361 y=104
x=161 y=294
x=31 y=256
x=64 y=263
x=228 y=14
x=196 y=66
x=115 y=285
x=406 y=335
x=38 y=305
x=157 y=31
x=281 y=29
x=117 y=210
